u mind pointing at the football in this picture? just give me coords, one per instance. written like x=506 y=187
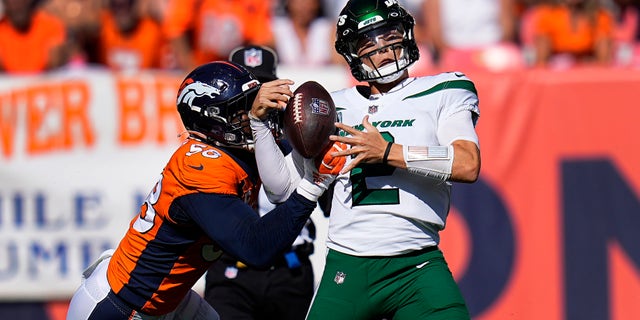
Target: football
x=309 y=119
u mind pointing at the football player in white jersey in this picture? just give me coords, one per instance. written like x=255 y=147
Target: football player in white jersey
x=409 y=139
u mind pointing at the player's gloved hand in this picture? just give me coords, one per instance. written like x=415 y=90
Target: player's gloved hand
x=321 y=171
x=328 y=164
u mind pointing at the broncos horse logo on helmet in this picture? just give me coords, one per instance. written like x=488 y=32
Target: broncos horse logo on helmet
x=214 y=100
x=369 y=19
x=198 y=89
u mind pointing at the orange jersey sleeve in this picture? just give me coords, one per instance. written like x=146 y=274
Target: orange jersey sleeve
x=139 y=50
x=160 y=258
x=29 y=52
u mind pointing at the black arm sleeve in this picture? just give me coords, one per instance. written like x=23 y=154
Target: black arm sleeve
x=238 y=229
x=324 y=202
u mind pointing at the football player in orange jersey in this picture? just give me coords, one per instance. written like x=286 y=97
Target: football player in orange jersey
x=202 y=205
x=285 y=289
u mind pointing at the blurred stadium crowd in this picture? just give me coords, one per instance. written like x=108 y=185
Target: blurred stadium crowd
x=39 y=36
x=42 y=35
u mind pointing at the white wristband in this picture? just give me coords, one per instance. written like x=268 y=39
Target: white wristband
x=309 y=190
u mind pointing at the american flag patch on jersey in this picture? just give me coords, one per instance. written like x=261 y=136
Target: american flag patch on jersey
x=319 y=106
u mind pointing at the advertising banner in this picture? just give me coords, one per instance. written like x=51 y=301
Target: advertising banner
x=549 y=231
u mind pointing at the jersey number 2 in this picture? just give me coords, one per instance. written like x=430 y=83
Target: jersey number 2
x=363 y=196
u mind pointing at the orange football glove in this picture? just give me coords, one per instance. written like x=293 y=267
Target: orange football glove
x=328 y=164
x=321 y=171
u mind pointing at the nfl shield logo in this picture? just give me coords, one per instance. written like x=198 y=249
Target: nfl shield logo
x=373 y=109
x=231 y=272
x=253 y=57
x=339 y=279
x=319 y=106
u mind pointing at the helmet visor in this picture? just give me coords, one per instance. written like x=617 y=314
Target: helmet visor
x=372 y=42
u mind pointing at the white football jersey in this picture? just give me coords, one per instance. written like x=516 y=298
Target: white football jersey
x=380 y=210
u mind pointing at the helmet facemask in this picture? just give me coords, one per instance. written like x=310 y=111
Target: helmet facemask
x=231 y=121
x=376 y=22
x=233 y=129
x=380 y=41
